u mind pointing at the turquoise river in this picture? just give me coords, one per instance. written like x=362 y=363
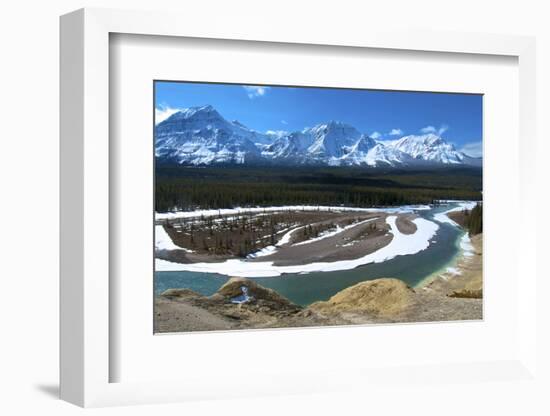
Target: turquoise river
x=304 y=289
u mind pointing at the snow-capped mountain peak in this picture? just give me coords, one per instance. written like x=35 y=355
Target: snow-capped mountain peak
x=204 y=112
x=428 y=148
x=331 y=139
x=238 y=124
x=201 y=136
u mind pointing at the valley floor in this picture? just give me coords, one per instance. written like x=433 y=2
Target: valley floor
x=291 y=241
x=454 y=295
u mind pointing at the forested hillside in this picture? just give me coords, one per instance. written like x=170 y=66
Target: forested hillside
x=189 y=188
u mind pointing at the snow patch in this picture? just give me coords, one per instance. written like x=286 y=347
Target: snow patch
x=269 y=250
x=452 y=270
x=443 y=218
x=466 y=245
x=164 y=242
x=266 y=251
x=253 y=210
x=332 y=233
x=286 y=238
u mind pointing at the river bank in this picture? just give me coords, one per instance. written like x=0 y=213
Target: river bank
x=377 y=301
x=452 y=297
x=466 y=278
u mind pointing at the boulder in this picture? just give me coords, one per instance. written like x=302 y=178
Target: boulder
x=233 y=288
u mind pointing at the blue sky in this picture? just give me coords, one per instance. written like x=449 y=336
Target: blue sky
x=381 y=114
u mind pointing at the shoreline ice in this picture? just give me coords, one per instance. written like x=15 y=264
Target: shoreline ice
x=466 y=245
x=443 y=218
x=400 y=245
x=252 y=210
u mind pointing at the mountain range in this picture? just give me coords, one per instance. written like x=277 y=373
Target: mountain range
x=201 y=136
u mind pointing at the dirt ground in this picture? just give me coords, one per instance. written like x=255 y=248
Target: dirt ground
x=458 y=216
x=405 y=223
x=310 y=240
x=350 y=244
x=371 y=302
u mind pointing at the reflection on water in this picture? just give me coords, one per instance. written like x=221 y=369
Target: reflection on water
x=304 y=289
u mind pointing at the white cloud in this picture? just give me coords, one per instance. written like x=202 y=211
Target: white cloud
x=474 y=149
x=431 y=129
x=395 y=132
x=284 y=122
x=163 y=112
x=428 y=129
x=254 y=91
x=375 y=135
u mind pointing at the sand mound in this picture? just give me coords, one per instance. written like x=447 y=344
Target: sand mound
x=380 y=297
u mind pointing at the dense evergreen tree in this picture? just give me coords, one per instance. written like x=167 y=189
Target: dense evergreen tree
x=474 y=220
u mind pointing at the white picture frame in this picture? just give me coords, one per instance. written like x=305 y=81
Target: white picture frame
x=85 y=211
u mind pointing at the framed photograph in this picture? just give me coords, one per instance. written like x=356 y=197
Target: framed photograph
x=320 y=201
x=298 y=224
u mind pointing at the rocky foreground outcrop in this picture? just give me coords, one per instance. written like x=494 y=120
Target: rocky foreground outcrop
x=375 y=301
x=380 y=298
x=184 y=310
